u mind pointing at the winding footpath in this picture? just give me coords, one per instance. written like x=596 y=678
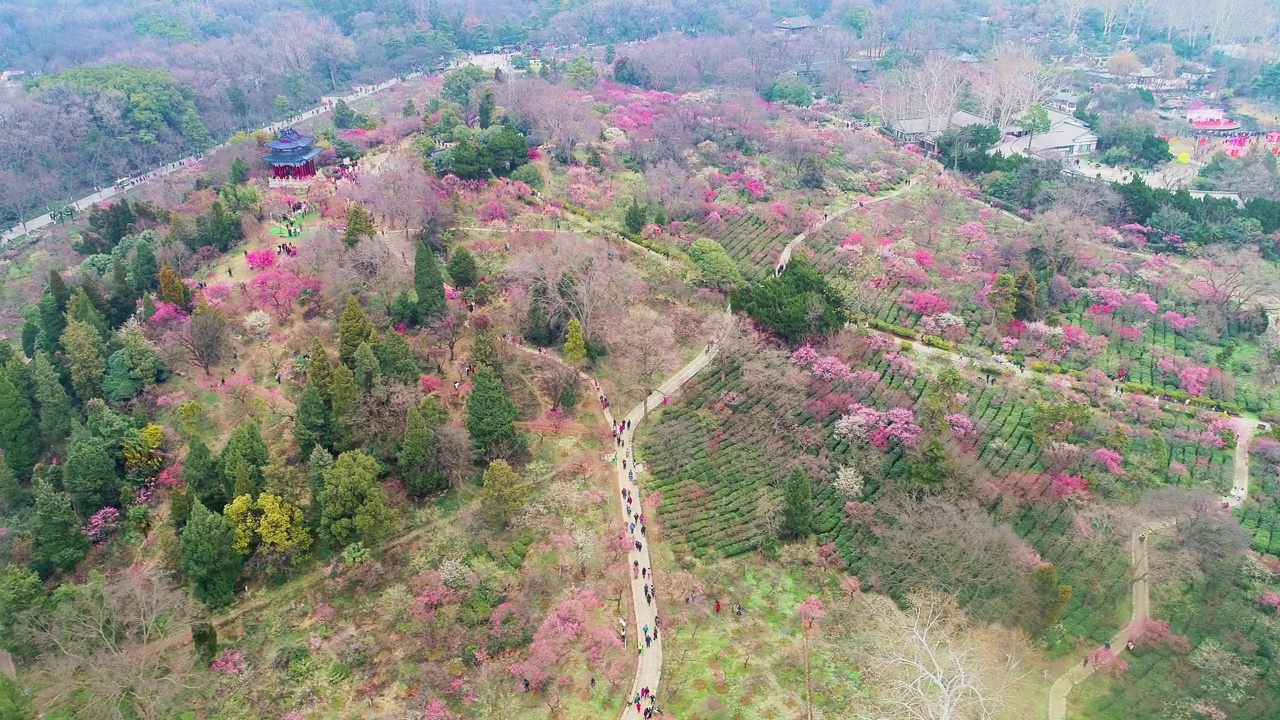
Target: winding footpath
x=1138 y=558
x=649 y=667
x=784 y=257
x=645 y=613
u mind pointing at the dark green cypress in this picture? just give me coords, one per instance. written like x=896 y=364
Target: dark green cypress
x=428 y=284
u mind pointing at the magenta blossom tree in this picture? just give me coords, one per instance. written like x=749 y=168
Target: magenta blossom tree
x=260 y=259
x=811 y=611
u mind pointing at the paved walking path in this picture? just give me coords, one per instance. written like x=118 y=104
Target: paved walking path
x=1141 y=611
x=1240 y=464
x=649 y=665
x=649 y=669
x=784 y=257
x=1138 y=558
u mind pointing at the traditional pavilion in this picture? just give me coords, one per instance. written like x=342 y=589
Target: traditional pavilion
x=292 y=156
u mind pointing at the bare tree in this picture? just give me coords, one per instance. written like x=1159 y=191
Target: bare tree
x=577 y=278
x=1008 y=82
x=1072 y=12
x=647 y=349
x=95 y=635
x=1232 y=279
x=204 y=337
x=928 y=664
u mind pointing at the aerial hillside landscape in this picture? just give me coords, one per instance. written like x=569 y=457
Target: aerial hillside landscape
x=566 y=361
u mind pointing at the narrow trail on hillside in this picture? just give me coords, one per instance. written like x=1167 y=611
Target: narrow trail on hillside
x=645 y=605
x=1138 y=558
x=784 y=257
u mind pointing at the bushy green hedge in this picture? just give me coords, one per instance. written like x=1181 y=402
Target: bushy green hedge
x=892 y=329
x=1177 y=394
x=937 y=342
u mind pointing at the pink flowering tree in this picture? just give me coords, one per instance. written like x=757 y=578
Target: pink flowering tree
x=1106 y=660
x=101 y=524
x=280 y=289
x=260 y=259
x=1150 y=632
x=1110 y=459
x=1269 y=598
x=927 y=302
x=231 y=662
x=1064 y=486
x=1179 y=323
x=961 y=425
x=573 y=628
x=436 y=709
x=811 y=611
x=866 y=424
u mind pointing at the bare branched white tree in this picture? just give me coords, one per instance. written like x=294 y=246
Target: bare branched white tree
x=937 y=667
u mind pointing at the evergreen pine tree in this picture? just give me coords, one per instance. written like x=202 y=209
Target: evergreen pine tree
x=396 y=359
x=81 y=308
x=575 y=348
x=312 y=425
x=366 y=370
x=244 y=452
x=343 y=116
x=10 y=488
x=1026 y=307
x=55 y=403
x=491 y=415
x=462 y=267
x=352 y=506
x=633 y=218
x=84 y=350
x=172 y=289
x=56 y=528
x=504 y=492
x=318 y=463
x=30 y=332
x=208 y=558
x=19 y=432
x=344 y=400
x=419 y=457
x=239 y=173
x=200 y=474
x=409 y=109
x=21 y=594
x=145 y=268
x=359 y=225
x=1003 y=298
x=484 y=113
x=180 y=502
x=428 y=284
x=319 y=368
x=797 y=512
x=123 y=296
x=92 y=290
x=353 y=328
x=51 y=313
x=90 y=474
